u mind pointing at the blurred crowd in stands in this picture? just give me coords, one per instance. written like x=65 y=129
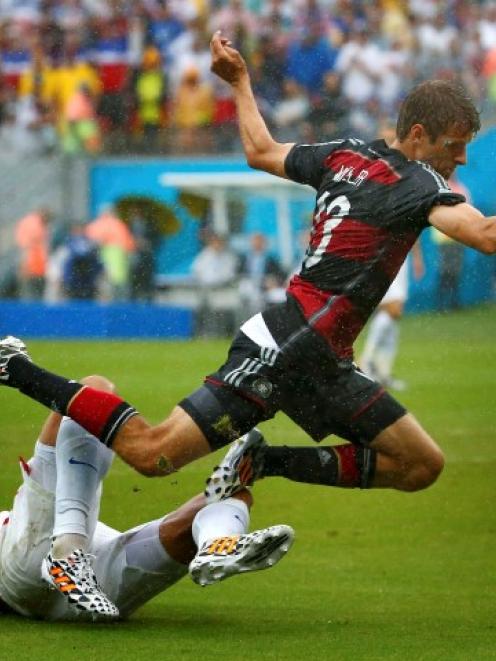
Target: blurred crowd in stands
x=109 y=260
x=105 y=259
x=132 y=76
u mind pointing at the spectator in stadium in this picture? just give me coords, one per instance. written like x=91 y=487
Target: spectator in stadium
x=261 y=277
x=235 y=20
x=33 y=241
x=72 y=74
x=310 y=59
x=142 y=269
x=192 y=113
x=214 y=271
x=110 y=55
x=268 y=68
x=277 y=20
x=174 y=25
x=96 y=572
x=359 y=63
x=329 y=115
x=372 y=203
x=80 y=129
x=164 y=28
x=29 y=128
x=216 y=264
x=82 y=267
x=291 y=111
x=116 y=246
x=190 y=50
x=38 y=78
x=149 y=94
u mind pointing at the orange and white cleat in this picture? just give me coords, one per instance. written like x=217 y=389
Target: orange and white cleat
x=227 y=556
x=75 y=579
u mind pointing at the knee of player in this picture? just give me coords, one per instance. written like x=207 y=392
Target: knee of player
x=99 y=383
x=426 y=472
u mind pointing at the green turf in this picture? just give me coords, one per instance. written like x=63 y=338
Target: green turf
x=372 y=575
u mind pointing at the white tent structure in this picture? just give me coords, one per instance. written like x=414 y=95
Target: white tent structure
x=220 y=186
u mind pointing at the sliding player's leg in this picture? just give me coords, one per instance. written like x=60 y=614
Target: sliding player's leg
x=212 y=542
x=28 y=532
x=82 y=464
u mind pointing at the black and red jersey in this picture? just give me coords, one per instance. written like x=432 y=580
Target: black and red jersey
x=372 y=203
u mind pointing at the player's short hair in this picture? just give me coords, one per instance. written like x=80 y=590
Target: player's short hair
x=438 y=105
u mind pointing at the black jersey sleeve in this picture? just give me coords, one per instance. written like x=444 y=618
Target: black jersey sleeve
x=414 y=198
x=305 y=164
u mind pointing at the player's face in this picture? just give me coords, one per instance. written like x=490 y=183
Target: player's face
x=447 y=152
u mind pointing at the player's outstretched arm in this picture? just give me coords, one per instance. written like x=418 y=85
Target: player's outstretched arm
x=261 y=150
x=466 y=224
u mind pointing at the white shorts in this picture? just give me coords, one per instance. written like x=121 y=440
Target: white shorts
x=398 y=290
x=25 y=541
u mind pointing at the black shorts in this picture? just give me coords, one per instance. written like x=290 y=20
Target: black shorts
x=323 y=398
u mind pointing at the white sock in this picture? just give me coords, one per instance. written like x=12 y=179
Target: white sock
x=227 y=517
x=377 y=329
x=386 y=353
x=64 y=545
x=82 y=463
x=43 y=466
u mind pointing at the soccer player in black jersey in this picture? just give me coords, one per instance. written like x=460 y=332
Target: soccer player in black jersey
x=372 y=202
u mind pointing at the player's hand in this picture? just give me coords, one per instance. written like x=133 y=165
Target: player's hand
x=227 y=62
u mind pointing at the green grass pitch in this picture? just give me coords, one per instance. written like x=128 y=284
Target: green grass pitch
x=372 y=575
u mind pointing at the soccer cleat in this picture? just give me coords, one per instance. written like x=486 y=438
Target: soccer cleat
x=10 y=347
x=227 y=556
x=241 y=467
x=75 y=579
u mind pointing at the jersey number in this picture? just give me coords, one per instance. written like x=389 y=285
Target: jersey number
x=336 y=210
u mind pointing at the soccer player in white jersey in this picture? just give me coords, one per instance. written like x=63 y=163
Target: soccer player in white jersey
x=381 y=344
x=58 y=562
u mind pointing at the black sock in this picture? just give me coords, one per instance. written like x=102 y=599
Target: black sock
x=341 y=465
x=48 y=389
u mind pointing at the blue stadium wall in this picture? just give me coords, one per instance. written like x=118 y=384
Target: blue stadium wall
x=94 y=320
x=110 y=180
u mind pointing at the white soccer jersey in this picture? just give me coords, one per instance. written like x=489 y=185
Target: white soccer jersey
x=398 y=290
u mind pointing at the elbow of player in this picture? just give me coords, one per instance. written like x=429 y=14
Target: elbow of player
x=253 y=158
x=488 y=246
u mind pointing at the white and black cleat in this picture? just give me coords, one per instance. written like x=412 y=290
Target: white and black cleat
x=241 y=467
x=75 y=579
x=227 y=556
x=9 y=347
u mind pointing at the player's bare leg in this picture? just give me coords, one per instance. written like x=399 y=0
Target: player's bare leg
x=214 y=539
x=161 y=449
x=402 y=457
x=407 y=457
